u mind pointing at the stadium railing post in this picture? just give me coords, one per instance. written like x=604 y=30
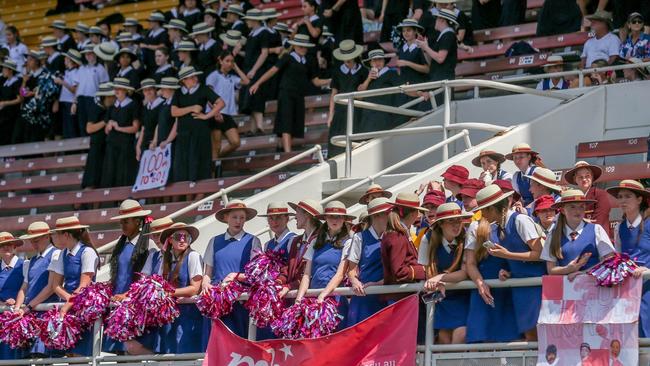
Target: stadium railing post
x=446 y=121
x=348 y=139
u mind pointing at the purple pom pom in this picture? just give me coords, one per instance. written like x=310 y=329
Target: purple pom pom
x=60 y=332
x=91 y=303
x=613 y=270
x=18 y=331
x=264 y=304
x=264 y=267
x=153 y=297
x=122 y=324
x=308 y=319
x=219 y=300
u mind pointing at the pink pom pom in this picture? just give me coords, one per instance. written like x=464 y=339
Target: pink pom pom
x=123 y=323
x=219 y=300
x=264 y=304
x=613 y=270
x=91 y=303
x=264 y=267
x=308 y=319
x=18 y=331
x=60 y=332
x=152 y=296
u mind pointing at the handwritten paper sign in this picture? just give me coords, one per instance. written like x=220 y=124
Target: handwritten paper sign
x=154 y=169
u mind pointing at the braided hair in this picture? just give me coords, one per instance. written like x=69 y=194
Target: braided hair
x=140 y=252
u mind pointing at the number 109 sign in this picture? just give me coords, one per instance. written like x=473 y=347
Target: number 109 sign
x=154 y=168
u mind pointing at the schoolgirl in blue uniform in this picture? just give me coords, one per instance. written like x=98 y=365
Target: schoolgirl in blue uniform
x=632 y=237
x=11 y=280
x=490 y=161
x=364 y=262
x=519 y=243
x=182 y=267
x=324 y=256
x=574 y=245
x=128 y=257
x=526 y=160
x=225 y=258
x=74 y=269
x=542 y=183
x=442 y=252
x=489 y=318
x=36 y=287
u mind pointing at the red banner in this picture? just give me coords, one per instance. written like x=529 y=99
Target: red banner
x=387 y=338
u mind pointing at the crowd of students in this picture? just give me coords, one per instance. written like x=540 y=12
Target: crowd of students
x=497 y=225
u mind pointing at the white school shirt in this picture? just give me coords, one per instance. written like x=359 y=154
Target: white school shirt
x=89 y=260
x=90 y=76
x=423 y=250
x=209 y=251
x=309 y=254
x=356 y=243
x=470 y=236
x=524 y=224
x=225 y=86
x=600 y=49
x=17 y=54
x=147 y=268
x=603 y=244
x=71 y=77
x=40 y=255
x=12 y=263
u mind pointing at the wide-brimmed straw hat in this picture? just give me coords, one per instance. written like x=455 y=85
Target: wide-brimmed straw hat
x=443 y=1
x=68 y=223
x=130 y=208
x=74 y=55
x=37 y=54
x=301 y=40
x=409 y=200
x=89 y=48
x=629 y=185
x=312 y=207
x=378 y=205
x=105 y=51
x=95 y=30
x=59 y=24
x=282 y=27
x=570 y=176
x=187 y=72
x=105 y=90
x=235 y=9
x=156 y=16
x=122 y=83
x=157 y=226
x=81 y=28
x=270 y=13
x=9 y=64
x=176 y=24
x=506 y=186
x=125 y=51
x=448 y=15
x=335 y=208
x=235 y=205
x=572 y=196
x=545 y=177
x=147 y=83
x=378 y=54
x=457 y=174
x=521 y=148
x=49 y=41
x=277 y=208
x=7 y=238
x=348 y=50
x=36 y=229
x=169 y=82
x=187 y=46
x=254 y=14
x=498 y=157
x=130 y=22
x=201 y=28
x=554 y=60
x=490 y=195
x=374 y=189
x=410 y=23
x=544 y=202
x=232 y=37
x=470 y=188
x=450 y=210
x=194 y=232
x=124 y=37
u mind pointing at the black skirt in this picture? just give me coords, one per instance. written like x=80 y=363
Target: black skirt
x=120 y=167
x=228 y=123
x=94 y=161
x=193 y=153
x=290 y=117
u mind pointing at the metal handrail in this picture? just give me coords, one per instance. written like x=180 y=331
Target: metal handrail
x=225 y=191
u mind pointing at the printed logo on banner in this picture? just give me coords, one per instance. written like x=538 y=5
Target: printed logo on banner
x=154 y=169
x=526 y=60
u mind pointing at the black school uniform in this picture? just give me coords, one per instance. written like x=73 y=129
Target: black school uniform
x=149 y=116
x=191 y=17
x=240 y=26
x=164 y=71
x=21 y=132
x=95 y=159
x=408 y=75
x=206 y=58
x=66 y=43
x=257 y=40
x=274 y=40
x=346 y=23
x=165 y=124
x=344 y=80
x=486 y=15
x=120 y=167
x=193 y=151
x=56 y=64
x=375 y=120
x=131 y=74
x=153 y=37
x=446 y=70
x=396 y=11
x=465 y=23
x=316 y=22
x=9 y=90
x=295 y=72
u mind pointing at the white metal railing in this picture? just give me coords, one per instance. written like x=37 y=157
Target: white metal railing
x=223 y=193
x=444 y=86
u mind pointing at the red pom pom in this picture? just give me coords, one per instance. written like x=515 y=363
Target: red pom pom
x=219 y=300
x=308 y=319
x=91 y=303
x=613 y=270
x=60 y=332
x=153 y=297
x=18 y=331
x=123 y=323
x=264 y=304
x=264 y=267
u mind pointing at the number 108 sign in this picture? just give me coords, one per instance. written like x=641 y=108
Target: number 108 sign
x=154 y=168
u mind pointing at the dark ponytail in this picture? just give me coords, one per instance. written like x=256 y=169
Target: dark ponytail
x=140 y=252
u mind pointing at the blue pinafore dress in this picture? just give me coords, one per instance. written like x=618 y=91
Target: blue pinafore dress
x=324 y=264
x=151 y=339
x=637 y=245
x=71 y=279
x=183 y=335
x=123 y=280
x=523 y=185
x=230 y=256
x=484 y=322
x=37 y=279
x=370 y=270
x=584 y=243
x=11 y=280
x=527 y=300
x=451 y=312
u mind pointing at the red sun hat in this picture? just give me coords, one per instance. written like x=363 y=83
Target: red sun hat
x=471 y=188
x=457 y=174
x=544 y=202
x=435 y=198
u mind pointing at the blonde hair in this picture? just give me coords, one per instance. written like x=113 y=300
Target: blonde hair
x=434 y=243
x=484 y=228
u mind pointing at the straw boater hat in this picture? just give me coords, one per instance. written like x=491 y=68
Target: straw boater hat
x=156 y=16
x=521 y=148
x=37 y=54
x=326 y=32
x=443 y=1
x=125 y=51
x=105 y=90
x=211 y=12
x=59 y=24
x=301 y=40
x=130 y=22
x=448 y=15
x=310 y=206
x=187 y=46
x=499 y=158
x=630 y=185
x=408 y=200
x=201 y=28
x=335 y=208
x=130 y=208
x=187 y=72
x=166 y=233
x=147 y=83
x=554 y=60
x=410 y=23
x=36 y=229
x=254 y=14
x=157 y=226
x=362 y=219
x=377 y=54
x=490 y=195
x=168 y=83
x=124 y=37
x=9 y=64
x=374 y=189
x=122 y=83
x=105 y=51
x=282 y=27
x=235 y=9
x=378 y=205
x=176 y=24
x=68 y=223
x=347 y=50
x=89 y=48
x=571 y=196
x=570 y=176
x=235 y=205
x=95 y=30
x=232 y=37
x=277 y=208
x=74 y=55
x=270 y=13
x=49 y=41
x=545 y=177
x=8 y=238
x=450 y=210
x=81 y=28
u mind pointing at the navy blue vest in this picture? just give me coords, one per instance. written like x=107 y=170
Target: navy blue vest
x=72 y=269
x=230 y=256
x=37 y=276
x=523 y=185
x=514 y=243
x=11 y=280
x=546 y=84
x=584 y=243
x=634 y=244
x=370 y=267
x=283 y=244
x=124 y=269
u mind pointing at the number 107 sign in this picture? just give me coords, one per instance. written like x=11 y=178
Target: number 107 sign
x=154 y=168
